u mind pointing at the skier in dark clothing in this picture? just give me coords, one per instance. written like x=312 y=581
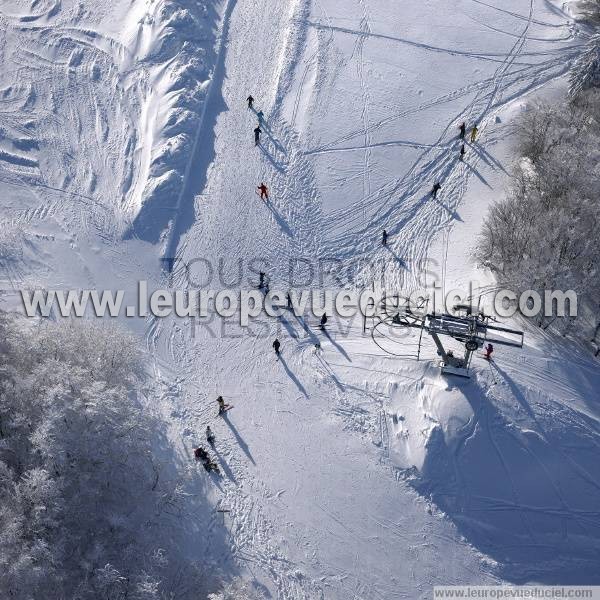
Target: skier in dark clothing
x=209 y=465
x=201 y=454
x=462 y=152
x=384 y=237
x=210 y=436
x=264 y=191
x=463 y=131
x=257 y=133
x=436 y=188
x=276 y=346
x=323 y=320
x=488 y=352
x=261 y=280
x=250 y=101
x=289 y=301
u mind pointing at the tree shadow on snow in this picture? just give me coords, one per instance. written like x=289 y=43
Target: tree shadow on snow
x=196 y=535
x=528 y=499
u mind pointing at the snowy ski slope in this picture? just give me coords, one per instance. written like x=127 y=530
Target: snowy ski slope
x=349 y=473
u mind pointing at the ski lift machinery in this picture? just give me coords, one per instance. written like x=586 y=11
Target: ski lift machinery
x=468 y=325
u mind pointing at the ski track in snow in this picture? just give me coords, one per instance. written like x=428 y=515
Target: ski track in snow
x=319 y=506
x=405 y=203
x=419 y=227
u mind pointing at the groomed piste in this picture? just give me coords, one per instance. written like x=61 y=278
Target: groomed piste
x=347 y=469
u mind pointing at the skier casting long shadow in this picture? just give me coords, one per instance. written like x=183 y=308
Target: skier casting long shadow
x=276 y=165
x=339 y=348
x=242 y=444
x=274 y=140
x=224 y=466
x=293 y=377
x=399 y=260
x=280 y=220
x=313 y=338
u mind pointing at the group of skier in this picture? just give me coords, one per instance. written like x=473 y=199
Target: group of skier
x=461 y=155
x=200 y=453
x=260 y=115
x=203 y=456
x=463 y=131
x=264 y=190
x=437 y=186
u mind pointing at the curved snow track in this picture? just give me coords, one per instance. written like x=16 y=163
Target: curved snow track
x=309 y=426
x=348 y=472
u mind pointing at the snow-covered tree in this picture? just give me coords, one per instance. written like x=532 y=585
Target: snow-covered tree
x=80 y=498
x=544 y=234
x=586 y=70
x=590 y=10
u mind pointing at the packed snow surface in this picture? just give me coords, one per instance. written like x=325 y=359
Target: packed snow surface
x=351 y=472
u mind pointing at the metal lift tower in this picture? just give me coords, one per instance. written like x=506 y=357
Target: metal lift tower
x=467 y=325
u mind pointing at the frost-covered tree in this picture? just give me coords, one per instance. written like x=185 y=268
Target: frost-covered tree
x=590 y=10
x=81 y=497
x=544 y=234
x=586 y=70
